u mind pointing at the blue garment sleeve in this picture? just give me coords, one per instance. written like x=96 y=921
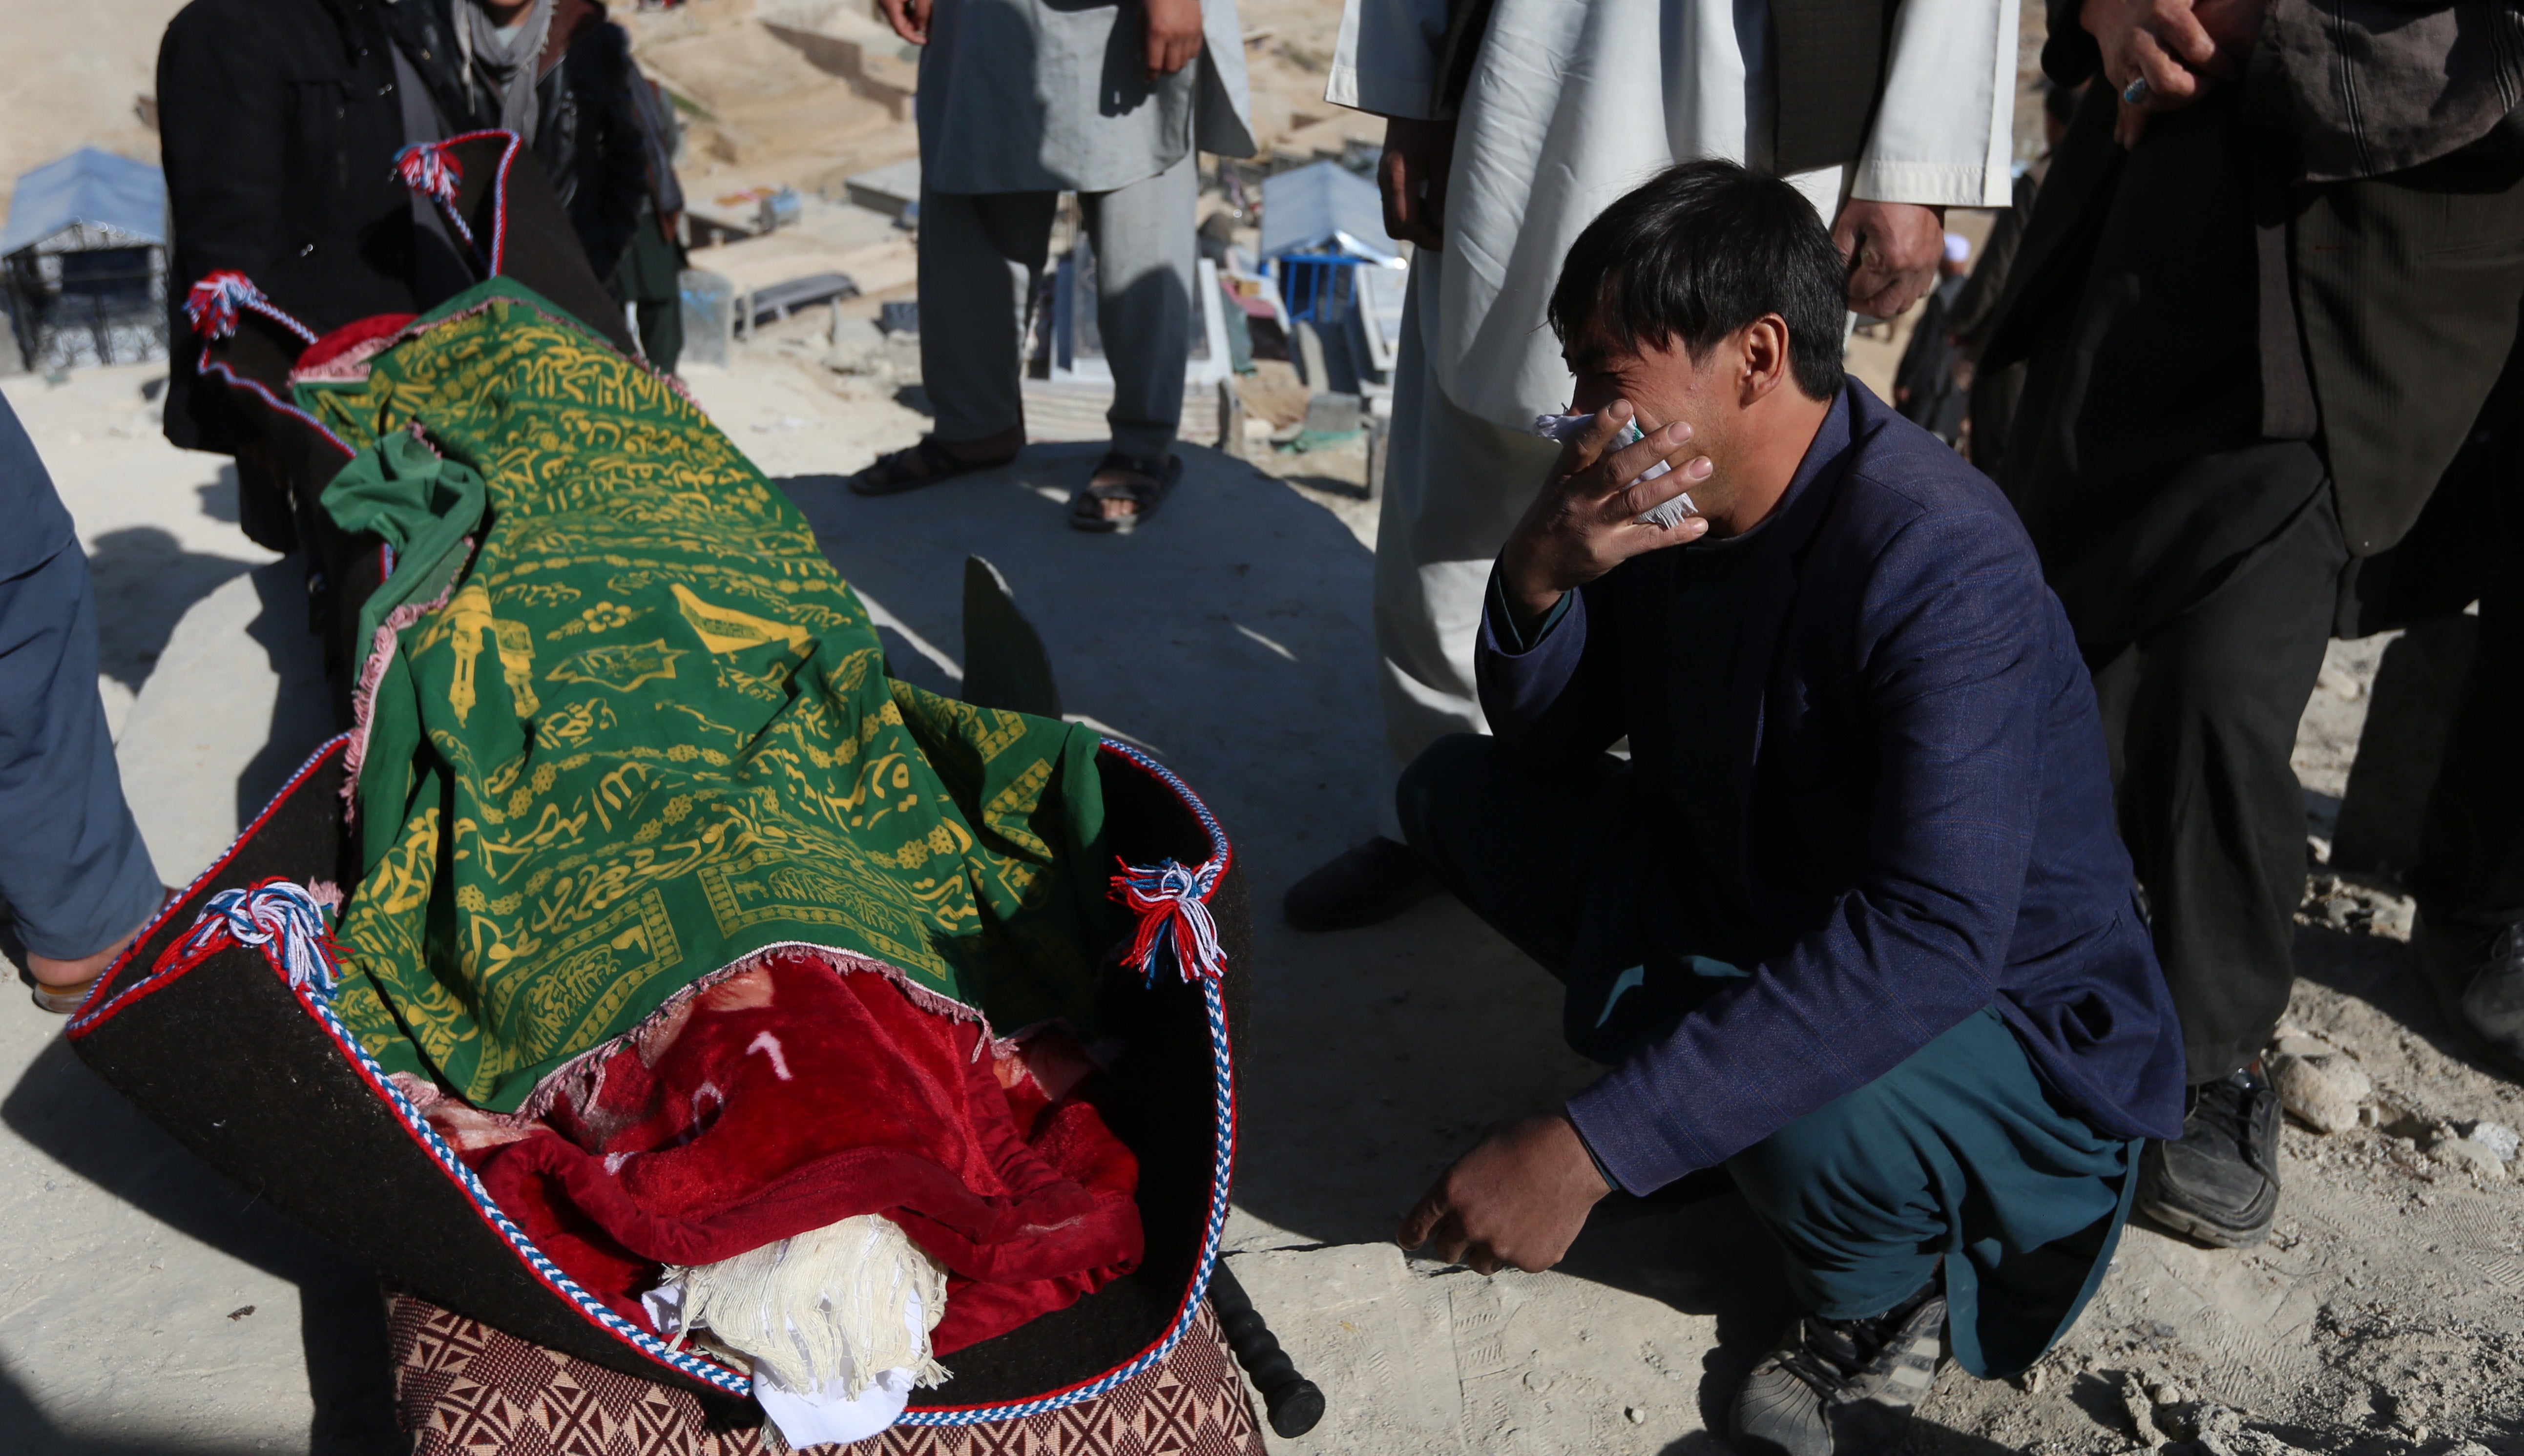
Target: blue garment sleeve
x=1511 y=639
x=1602 y=1171
x=72 y=868
x=1550 y=693
x=1951 y=655
x=33 y=525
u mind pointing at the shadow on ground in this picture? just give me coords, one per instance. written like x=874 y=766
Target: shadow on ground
x=303 y=712
x=145 y=583
x=2383 y=973
x=219 y=497
x=31 y=1433
x=61 y=1108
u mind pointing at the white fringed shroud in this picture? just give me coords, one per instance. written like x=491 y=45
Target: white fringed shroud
x=826 y=1305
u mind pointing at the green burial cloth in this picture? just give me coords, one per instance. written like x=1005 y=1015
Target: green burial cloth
x=640 y=729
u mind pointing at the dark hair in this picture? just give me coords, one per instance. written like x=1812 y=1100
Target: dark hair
x=1698 y=252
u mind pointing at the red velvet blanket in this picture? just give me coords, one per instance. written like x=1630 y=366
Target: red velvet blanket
x=795 y=1094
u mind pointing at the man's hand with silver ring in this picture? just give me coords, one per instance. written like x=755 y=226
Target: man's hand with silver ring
x=2162 y=55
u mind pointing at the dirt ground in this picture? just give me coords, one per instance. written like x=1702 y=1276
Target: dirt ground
x=73 y=78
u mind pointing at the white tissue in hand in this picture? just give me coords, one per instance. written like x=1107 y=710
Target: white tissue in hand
x=1565 y=428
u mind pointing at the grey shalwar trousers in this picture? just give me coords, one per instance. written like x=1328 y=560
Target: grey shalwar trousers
x=980 y=254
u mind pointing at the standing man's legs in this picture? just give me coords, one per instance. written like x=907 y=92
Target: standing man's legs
x=2470 y=876
x=1146 y=270
x=1454 y=486
x=2201 y=712
x=73 y=873
x=980 y=254
x=650 y=276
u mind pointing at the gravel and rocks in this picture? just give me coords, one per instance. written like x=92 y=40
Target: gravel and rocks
x=2319 y=1083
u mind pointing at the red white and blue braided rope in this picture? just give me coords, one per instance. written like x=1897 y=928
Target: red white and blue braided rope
x=215 y=305
x=430 y=169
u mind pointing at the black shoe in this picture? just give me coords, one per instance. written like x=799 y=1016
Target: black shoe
x=1362 y=885
x=2479 y=981
x=2219 y=1185
x=1842 y=1388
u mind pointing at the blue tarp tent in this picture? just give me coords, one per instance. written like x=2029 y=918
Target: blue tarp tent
x=113 y=197
x=85 y=258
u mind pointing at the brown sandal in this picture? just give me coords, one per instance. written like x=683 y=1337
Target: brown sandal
x=62 y=1000
x=895 y=473
x=1146 y=484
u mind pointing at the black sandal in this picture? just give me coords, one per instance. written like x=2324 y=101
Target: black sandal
x=1155 y=481
x=892 y=475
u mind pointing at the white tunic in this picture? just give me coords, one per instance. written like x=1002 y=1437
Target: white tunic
x=1576 y=101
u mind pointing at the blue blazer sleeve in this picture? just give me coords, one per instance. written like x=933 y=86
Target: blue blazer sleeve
x=1954 y=674
x=1555 y=701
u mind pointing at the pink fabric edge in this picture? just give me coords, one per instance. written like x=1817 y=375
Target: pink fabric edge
x=348 y=366
x=372 y=672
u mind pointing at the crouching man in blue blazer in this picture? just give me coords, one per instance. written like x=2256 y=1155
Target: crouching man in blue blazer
x=1851 y=919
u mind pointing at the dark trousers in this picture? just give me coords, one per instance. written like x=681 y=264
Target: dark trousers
x=2208 y=537
x=2469 y=877
x=1957 y=1162
x=650 y=278
x=2201 y=715
x=2470 y=874
x=2201 y=712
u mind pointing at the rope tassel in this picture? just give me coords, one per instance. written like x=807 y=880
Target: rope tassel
x=283 y=920
x=430 y=169
x=1174 y=919
x=213 y=304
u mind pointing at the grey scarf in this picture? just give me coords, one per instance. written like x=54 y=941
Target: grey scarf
x=502 y=63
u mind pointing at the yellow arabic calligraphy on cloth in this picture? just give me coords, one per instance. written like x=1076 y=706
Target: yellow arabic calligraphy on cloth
x=651 y=731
